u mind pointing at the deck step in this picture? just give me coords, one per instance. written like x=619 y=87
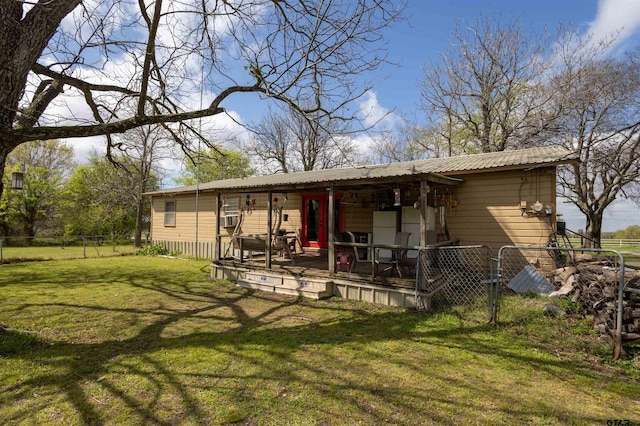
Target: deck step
x=282 y=284
x=254 y=285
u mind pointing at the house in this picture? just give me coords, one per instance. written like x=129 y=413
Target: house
x=266 y=227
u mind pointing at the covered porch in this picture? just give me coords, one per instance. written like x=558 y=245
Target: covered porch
x=352 y=238
x=310 y=276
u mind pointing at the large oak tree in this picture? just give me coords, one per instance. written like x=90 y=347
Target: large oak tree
x=70 y=68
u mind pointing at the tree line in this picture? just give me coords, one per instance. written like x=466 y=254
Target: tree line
x=100 y=197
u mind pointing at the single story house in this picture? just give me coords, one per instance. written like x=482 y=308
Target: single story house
x=302 y=231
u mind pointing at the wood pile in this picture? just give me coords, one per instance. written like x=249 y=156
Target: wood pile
x=592 y=283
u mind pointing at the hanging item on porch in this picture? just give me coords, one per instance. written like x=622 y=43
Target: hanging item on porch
x=351 y=199
x=396 y=197
x=448 y=200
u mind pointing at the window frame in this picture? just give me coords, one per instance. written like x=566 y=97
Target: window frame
x=170 y=214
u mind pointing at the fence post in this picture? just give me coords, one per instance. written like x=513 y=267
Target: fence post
x=84 y=247
x=618 y=349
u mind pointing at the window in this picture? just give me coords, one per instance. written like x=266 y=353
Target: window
x=169 y=213
x=231 y=209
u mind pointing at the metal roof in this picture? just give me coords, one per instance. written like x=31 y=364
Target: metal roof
x=439 y=169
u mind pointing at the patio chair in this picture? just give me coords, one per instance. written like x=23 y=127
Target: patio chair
x=356 y=254
x=397 y=255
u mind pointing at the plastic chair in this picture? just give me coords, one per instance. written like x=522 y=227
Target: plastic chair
x=397 y=255
x=344 y=259
x=356 y=255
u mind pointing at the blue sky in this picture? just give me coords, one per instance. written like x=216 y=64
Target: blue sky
x=428 y=30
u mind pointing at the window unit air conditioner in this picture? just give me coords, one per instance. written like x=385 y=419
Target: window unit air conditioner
x=228 y=221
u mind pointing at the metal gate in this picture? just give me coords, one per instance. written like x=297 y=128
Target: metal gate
x=523 y=268
x=460 y=276
x=465 y=276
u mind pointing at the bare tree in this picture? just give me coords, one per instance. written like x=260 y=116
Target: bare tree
x=412 y=141
x=143 y=148
x=484 y=94
x=599 y=100
x=57 y=54
x=290 y=142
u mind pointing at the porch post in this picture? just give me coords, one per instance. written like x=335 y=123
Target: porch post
x=424 y=191
x=267 y=255
x=331 y=213
x=218 y=248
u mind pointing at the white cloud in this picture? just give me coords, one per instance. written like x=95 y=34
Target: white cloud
x=375 y=115
x=615 y=16
x=83 y=148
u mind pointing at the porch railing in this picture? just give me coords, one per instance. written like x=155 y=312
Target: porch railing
x=410 y=262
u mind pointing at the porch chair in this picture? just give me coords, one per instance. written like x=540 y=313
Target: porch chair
x=344 y=254
x=356 y=254
x=397 y=255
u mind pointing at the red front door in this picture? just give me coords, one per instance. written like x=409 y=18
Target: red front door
x=315 y=223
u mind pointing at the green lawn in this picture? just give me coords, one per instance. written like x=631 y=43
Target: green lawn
x=12 y=254
x=141 y=340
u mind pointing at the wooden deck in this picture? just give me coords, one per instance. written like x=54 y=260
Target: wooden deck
x=308 y=275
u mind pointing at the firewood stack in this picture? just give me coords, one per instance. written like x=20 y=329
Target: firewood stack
x=592 y=283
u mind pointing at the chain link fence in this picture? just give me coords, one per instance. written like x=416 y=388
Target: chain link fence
x=461 y=276
x=588 y=283
x=594 y=281
x=25 y=249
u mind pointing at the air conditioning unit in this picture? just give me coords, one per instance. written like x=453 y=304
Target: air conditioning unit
x=228 y=221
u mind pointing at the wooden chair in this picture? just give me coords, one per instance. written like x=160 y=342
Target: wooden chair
x=397 y=255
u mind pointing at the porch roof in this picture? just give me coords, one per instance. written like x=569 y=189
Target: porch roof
x=440 y=170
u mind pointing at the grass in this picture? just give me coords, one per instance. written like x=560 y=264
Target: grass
x=152 y=341
x=12 y=254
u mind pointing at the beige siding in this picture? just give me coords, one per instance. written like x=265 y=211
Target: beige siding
x=489 y=208
x=488 y=211
x=255 y=221
x=358 y=218
x=185 y=223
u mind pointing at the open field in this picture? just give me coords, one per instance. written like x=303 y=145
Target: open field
x=139 y=340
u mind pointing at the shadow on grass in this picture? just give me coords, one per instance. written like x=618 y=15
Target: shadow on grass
x=262 y=337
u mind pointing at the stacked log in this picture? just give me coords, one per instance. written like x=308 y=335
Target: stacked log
x=592 y=283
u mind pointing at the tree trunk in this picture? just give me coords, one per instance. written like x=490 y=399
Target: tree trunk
x=593 y=230
x=4 y=226
x=137 y=241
